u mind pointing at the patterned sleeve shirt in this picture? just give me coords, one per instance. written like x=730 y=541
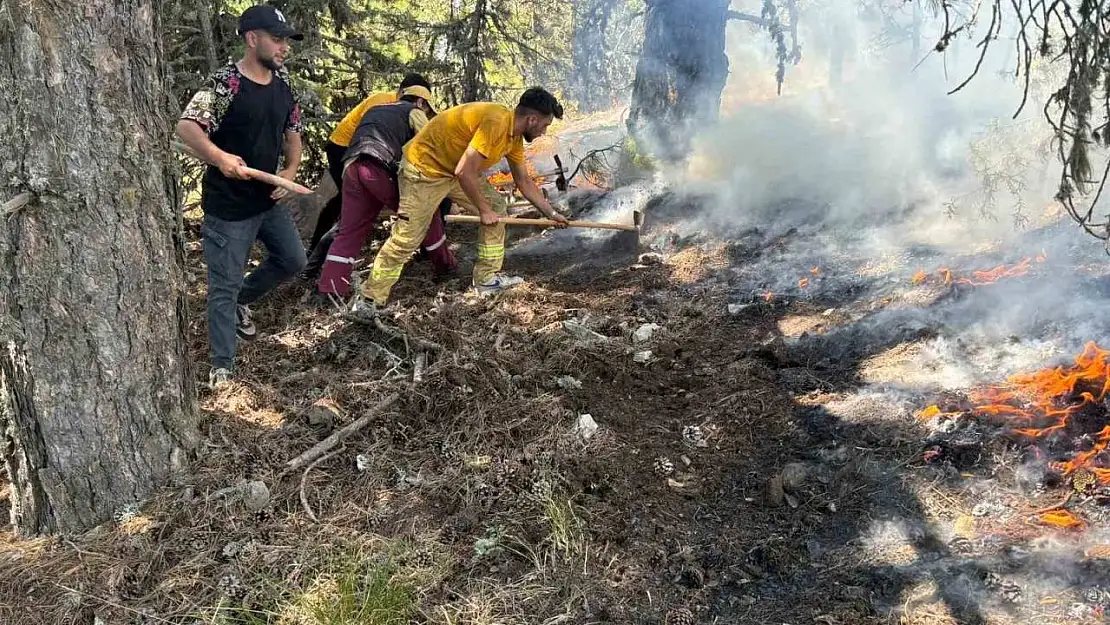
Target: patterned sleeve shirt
x=209 y=105
x=249 y=120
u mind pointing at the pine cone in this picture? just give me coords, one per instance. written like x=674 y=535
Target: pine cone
x=663 y=466
x=680 y=616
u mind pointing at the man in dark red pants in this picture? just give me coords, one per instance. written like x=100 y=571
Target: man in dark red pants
x=369 y=185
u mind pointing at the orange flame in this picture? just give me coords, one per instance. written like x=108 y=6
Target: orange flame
x=499 y=179
x=1060 y=518
x=934 y=411
x=803 y=283
x=1045 y=401
x=983 y=277
x=768 y=296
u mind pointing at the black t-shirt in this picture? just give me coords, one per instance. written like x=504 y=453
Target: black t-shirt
x=249 y=120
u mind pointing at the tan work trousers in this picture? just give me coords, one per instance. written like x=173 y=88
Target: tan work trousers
x=420 y=197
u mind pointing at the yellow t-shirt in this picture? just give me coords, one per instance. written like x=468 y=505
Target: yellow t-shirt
x=347 y=127
x=437 y=149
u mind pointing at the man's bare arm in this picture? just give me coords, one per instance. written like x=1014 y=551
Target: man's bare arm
x=194 y=136
x=293 y=152
x=468 y=171
x=532 y=193
x=293 y=149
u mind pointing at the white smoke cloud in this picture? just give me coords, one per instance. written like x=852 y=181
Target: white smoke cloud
x=885 y=136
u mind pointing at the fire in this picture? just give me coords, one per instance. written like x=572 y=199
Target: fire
x=1061 y=518
x=499 y=179
x=1045 y=401
x=768 y=296
x=804 y=282
x=934 y=411
x=983 y=277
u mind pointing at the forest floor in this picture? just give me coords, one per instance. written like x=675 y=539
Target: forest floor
x=732 y=477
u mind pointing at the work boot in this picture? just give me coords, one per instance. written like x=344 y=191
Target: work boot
x=244 y=327
x=497 y=284
x=218 y=378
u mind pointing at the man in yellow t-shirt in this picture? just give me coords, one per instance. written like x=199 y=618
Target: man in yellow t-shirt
x=338 y=143
x=446 y=160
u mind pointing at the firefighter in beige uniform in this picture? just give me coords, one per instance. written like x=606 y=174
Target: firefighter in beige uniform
x=446 y=159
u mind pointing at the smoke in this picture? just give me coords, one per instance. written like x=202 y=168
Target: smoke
x=864 y=128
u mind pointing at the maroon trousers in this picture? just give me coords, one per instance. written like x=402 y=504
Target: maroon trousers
x=367 y=189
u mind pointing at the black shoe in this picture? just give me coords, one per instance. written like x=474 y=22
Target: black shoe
x=244 y=327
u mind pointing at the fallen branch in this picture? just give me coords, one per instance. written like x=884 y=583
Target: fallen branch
x=339 y=436
x=418 y=367
x=396 y=333
x=304 y=478
x=1055 y=506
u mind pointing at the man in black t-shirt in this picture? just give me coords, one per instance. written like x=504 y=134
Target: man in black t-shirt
x=246 y=117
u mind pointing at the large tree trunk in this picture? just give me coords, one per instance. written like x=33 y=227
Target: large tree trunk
x=475 y=86
x=590 y=55
x=96 y=393
x=680 y=75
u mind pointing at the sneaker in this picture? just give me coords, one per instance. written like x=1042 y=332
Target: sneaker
x=498 y=284
x=244 y=327
x=218 y=378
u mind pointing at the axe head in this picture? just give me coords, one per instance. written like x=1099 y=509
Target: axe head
x=561 y=178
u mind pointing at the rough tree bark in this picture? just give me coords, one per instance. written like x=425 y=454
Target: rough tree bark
x=590 y=55
x=204 y=17
x=475 y=85
x=96 y=393
x=680 y=75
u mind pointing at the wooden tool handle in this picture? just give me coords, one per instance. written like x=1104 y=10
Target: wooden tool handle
x=523 y=221
x=255 y=174
x=277 y=181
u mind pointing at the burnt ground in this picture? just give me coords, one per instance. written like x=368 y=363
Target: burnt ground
x=739 y=475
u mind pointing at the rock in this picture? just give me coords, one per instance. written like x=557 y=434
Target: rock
x=581 y=332
x=793 y=476
x=362 y=462
x=586 y=426
x=642 y=357
x=256 y=495
x=736 y=309
x=650 y=258
x=323 y=414
x=644 y=333
x=987 y=509
x=568 y=383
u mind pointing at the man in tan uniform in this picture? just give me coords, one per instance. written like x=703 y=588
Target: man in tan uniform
x=446 y=159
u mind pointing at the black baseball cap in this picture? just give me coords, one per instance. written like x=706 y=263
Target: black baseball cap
x=269 y=19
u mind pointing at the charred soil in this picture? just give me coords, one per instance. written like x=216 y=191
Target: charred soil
x=731 y=478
